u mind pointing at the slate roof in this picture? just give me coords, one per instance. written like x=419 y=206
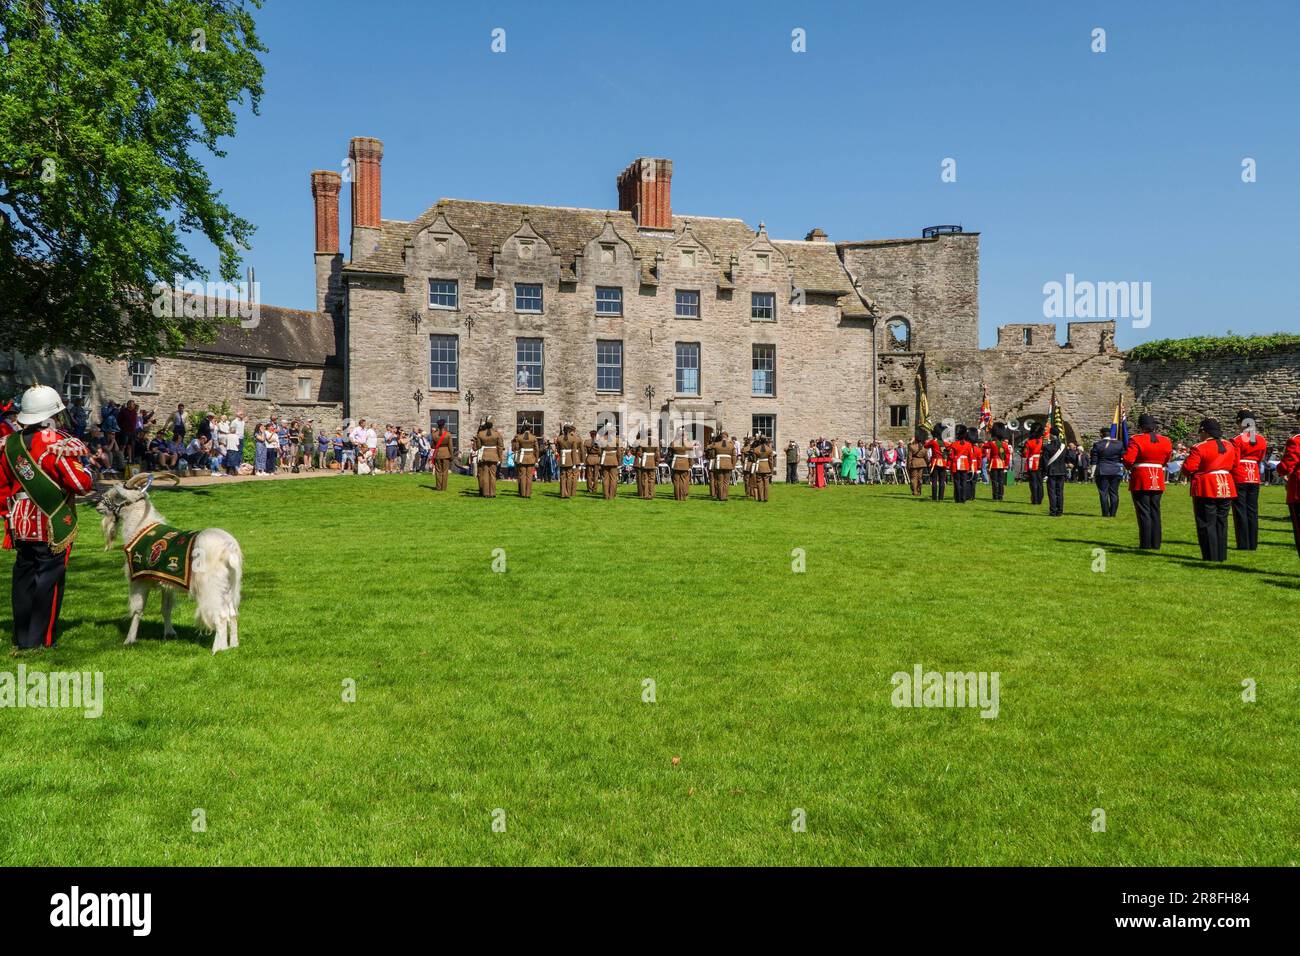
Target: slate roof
x=292 y=336
x=487 y=225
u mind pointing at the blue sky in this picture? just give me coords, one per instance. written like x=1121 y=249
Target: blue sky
x=1115 y=166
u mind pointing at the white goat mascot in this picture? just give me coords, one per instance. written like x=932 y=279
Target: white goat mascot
x=216 y=564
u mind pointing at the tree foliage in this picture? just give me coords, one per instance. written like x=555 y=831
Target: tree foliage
x=106 y=107
x=1204 y=346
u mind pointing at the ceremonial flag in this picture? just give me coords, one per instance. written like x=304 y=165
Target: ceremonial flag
x=986 y=413
x=925 y=404
x=1119 y=423
x=1055 y=420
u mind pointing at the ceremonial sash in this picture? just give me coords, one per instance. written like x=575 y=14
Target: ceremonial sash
x=46 y=493
x=1059 y=452
x=161 y=553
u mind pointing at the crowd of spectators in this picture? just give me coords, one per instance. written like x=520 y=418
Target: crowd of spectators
x=125 y=437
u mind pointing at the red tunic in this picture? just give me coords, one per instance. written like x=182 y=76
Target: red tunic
x=1032 y=452
x=1289 y=468
x=998 y=453
x=1211 y=470
x=57 y=454
x=1251 y=452
x=959 y=455
x=1146 y=460
x=937 y=455
x=976 y=456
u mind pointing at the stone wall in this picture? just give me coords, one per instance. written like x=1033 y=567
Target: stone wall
x=1087 y=372
x=1218 y=386
x=931 y=283
x=195 y=379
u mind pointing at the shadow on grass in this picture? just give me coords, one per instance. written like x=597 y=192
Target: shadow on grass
x=1176 y=558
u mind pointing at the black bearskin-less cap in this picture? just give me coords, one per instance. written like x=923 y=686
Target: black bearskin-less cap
x=1035 y=430
x=442 y=423
x=1105 y=431
x=1000 y=431
x=937 y=432
x=920 y=434
x=1244 y=414
x=1211 y=428
x=1146 y=422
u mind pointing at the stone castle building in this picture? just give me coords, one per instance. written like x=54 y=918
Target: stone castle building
x=643 y=315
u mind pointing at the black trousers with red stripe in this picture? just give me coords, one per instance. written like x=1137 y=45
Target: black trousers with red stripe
x=39 y=575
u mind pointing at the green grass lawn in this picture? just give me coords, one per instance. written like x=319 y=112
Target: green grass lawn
x=522 y=690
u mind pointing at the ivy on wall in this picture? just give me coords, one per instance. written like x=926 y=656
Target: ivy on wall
x=1208 y=346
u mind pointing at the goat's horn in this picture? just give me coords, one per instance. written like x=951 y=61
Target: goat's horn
x=136 y=480
x=168 y=475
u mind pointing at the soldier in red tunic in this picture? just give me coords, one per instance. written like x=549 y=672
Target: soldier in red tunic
x=40 y=476
x=1251 y=449
x=998 y=452
x=1289 y=468
x=1032 y=454
x=976 y=466
x=937 y=454
x=1146 y=457
x=1210 y=466
x=959 y=464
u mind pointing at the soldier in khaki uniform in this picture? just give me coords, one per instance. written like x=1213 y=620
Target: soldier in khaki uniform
x=443 y=452
x=916 y=460
x=763 y=462
x=610 y=451
x=568 y=449
x=489 y=448
x=524 y=445
x=591 y=461
x=747 y=460
x=646 y=462
x=679 y=461
x=722 y=460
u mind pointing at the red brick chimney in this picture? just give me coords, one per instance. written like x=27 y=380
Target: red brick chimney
x=366 y=154
x=325 y=184
x=645 y=190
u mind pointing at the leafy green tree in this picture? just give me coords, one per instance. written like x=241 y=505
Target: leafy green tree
x=104 y=105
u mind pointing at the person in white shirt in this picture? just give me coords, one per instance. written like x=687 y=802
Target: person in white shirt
x=272 y=450
x=221 y=445
x=372 y=443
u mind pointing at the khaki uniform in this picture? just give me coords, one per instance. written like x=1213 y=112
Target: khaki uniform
x=747 y=475
x=442 y=455
x=569 y=451
x=646 y=462
x=679 y=461
x=526 y=451
x=762 y=464
x=591 y=462
x=721 y=455
x=610 y=455
x=915 y=464
x=490 y=448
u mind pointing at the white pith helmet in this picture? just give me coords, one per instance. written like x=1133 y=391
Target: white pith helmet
x=40 y=402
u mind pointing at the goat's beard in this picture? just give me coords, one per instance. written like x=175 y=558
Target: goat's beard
x=109 y=524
